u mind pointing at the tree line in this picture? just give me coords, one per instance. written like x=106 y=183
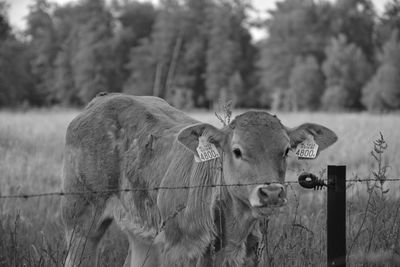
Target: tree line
x=318 y=55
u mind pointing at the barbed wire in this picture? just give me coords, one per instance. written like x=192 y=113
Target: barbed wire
x=372 y=180
x=121 y=190
x=158 y=188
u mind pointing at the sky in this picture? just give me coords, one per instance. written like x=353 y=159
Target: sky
x=19 y=9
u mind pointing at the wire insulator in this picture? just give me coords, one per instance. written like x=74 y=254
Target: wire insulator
x=311 y=181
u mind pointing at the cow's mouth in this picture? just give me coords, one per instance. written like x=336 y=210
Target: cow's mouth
x=268 y=210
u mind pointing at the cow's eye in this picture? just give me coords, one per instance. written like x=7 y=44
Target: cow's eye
x=237 y=153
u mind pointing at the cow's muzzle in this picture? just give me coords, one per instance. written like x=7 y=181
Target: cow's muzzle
x=272 y=195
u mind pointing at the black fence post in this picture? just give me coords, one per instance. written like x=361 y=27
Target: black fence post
x=336 y=217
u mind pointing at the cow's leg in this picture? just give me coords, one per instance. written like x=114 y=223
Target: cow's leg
x=82 y=251
x=85 y=226
x=128 y=258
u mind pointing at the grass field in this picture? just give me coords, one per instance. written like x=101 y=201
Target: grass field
x=31 y=152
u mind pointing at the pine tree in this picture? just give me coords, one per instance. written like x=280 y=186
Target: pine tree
x=307 y=83
x=15 y=78
x=355 y=20
x=68 y=23
x=167 y=46
x=135 y=21
x=15 y=81
x=296 y=28
x=43 y=48
x=93 y=63
x=190 y=72
x=4 y=25
x=222 y=53
x=382 y=93
x=141 y=68
x=388 y=22
x=346 y=70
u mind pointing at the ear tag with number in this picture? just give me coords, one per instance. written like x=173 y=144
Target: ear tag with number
x=206 y=151
x=307 y=149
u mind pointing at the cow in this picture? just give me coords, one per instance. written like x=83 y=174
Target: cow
x=134 y=160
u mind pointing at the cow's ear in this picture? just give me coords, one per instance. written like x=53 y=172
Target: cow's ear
x=189 y=136
x=323 y=136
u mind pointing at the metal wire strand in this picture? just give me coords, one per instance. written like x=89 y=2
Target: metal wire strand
x=157 y=188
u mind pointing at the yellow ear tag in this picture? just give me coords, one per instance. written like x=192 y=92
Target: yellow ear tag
x=307 y=149
x=206 y=151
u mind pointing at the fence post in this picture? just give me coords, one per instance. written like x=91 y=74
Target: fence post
x=336 y=217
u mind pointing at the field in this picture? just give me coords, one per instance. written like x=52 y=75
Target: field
x=31 y=152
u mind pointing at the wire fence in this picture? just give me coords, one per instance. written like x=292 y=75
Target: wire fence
x=262 y=245
x=159 y=188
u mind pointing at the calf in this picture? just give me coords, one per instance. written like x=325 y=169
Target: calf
x=142 y=143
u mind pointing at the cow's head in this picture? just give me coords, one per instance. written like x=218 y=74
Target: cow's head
x=255 y=146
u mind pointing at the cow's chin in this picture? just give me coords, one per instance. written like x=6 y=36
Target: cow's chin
x=266 y=211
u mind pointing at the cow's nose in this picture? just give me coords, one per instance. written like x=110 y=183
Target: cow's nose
x=269 y=195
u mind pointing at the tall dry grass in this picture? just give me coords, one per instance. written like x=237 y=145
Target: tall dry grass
x=31 y=151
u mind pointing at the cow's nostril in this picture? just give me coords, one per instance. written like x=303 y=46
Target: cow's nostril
x=282 y=193
x=263 y=193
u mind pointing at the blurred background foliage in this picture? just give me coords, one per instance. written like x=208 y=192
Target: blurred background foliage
x=318 y=55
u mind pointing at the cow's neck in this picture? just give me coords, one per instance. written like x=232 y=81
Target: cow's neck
x=195 y=221
x=234 y=224
x=201 y=198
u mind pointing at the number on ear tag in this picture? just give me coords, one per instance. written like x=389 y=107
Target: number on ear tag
x=206 y=151
x=307 y=149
